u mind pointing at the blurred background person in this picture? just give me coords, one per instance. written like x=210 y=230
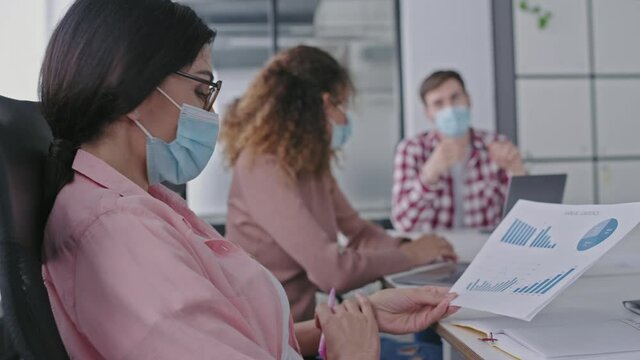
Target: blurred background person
x=454 y=175
x=285 y=207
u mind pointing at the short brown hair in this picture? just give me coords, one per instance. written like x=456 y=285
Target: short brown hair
x=282 y=112
x=438 y=78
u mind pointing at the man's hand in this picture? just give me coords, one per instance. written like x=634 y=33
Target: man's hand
x=507 y=157
x=448 y=153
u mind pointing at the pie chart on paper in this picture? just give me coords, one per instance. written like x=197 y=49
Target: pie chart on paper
x=597 y=234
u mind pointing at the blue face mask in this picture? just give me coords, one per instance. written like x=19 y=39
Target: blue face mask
x=341 y=133
x=453 y=121
x=185 y=157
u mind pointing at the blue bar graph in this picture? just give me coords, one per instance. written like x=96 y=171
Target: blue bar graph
x=541 y=287
x=519 y=233
x=487 y=286
x=543 y=240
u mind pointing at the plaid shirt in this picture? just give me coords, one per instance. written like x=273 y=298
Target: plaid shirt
x=418 y=206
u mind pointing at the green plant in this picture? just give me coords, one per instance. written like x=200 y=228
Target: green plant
x=543 y=15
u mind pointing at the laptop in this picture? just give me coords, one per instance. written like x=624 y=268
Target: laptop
x=547 y=188
x=540 y=188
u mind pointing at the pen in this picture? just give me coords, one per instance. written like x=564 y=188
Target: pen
x=322 y=349
x=490 y=339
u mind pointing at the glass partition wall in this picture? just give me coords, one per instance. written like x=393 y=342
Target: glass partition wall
x=360 y=34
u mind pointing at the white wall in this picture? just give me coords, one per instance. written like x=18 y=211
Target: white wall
x=23 y=38
x=454 y=34
x=577 y=107
x=55 y=11
x=25 y=28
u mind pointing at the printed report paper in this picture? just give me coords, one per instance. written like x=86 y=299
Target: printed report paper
x=537 y=251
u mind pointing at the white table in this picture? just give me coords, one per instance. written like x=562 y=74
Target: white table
x=598 y=294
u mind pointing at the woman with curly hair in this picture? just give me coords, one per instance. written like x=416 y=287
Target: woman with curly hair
x=285 y=207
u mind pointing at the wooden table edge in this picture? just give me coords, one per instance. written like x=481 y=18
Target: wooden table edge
x=456 y=343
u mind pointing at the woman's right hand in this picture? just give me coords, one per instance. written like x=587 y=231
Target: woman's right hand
x=427 y=249
x=350 y=330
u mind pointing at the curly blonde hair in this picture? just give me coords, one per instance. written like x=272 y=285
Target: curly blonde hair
x=282 y=112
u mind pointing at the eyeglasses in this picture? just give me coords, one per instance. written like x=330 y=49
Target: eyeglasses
x=214 y=88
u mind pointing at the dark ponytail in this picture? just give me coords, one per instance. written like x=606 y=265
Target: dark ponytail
x=57 y=170
x=103 y=59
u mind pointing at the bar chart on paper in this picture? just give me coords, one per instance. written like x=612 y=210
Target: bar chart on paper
x=537 y=251
x=542 y=286
x=520 y=233
x=488 y=286
x=543 y=240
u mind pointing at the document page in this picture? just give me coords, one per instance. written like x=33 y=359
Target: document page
x=537 y=251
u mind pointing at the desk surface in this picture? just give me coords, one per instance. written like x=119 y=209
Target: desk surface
x=598 y=294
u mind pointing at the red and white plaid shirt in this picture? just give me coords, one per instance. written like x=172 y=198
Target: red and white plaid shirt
x=418 y=206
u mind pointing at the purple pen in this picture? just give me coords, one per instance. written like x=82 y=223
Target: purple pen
x=322 y=349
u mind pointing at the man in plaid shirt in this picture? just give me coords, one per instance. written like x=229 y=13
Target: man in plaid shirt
x=453 y=176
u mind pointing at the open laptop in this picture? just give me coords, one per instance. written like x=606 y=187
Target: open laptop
x=548 y=188
x=540 y=188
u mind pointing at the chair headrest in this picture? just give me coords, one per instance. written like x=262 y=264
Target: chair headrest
x=24 y=142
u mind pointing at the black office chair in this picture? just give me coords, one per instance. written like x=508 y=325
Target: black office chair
x=28 y=320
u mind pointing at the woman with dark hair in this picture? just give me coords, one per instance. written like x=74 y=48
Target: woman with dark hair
x=131 y=272
x=285 y=208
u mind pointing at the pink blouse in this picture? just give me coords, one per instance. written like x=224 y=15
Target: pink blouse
x=137 y=275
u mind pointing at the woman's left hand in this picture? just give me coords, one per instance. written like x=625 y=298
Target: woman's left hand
x=404 y=311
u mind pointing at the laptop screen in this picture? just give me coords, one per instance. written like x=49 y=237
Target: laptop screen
x=540 y=188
